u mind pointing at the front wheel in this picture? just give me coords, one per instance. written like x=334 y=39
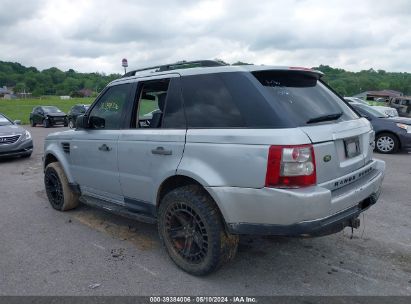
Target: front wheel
x=386 y=143
x=46 y=123
x=192 y=231
x=59 y=193
x=32 y=123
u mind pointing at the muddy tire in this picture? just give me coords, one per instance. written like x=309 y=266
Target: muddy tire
x=386 y=143
x=59 y=193
x=192 y=231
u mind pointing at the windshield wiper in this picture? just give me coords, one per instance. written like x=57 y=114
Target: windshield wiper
x=325 y=118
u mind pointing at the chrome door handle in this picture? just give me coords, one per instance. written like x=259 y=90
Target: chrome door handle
x=161 y=151
x=104 y=147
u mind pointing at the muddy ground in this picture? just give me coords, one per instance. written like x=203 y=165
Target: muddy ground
x=90 y=252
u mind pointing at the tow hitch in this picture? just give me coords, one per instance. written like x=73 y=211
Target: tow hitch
x=355 y=223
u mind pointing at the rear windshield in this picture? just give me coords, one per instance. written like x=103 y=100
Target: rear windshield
x=302 y=98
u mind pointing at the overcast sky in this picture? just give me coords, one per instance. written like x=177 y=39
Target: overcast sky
x=94 y=35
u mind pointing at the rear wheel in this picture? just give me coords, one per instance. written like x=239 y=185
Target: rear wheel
x=32 y=123
x=59 y=193
x=386 y=143
x=192 y=231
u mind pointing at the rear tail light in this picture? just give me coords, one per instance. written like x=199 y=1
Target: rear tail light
x=291 y=167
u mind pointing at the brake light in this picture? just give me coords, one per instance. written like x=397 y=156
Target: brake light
x=291 y=167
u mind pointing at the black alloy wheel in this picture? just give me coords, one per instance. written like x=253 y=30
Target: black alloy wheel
x=187 y=233
x=192 y=231
x=54 y=188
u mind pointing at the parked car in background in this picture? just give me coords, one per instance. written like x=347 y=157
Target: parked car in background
x=391 y=133
x=391 y=112
x=402 y=104
x=356 y=99
x=384 y=110
x=48 y=116
x=14 y=140
x=228 y=151
x=75 y=111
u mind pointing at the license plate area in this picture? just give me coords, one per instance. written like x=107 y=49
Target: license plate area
x=352 y=147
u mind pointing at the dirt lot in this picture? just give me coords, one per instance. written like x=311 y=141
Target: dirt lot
x=89 y=252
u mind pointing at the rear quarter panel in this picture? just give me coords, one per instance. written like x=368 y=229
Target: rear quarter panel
x=233 y=157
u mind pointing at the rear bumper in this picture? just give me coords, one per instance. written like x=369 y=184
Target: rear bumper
x=17 y=149
x=307 y=211
x=318 y=227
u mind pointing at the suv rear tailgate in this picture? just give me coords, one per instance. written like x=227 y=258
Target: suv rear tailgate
x=331 y=142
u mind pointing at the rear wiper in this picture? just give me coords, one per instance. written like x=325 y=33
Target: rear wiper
x=325 y=118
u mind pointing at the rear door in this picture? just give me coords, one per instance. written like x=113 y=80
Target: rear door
x=151 y=149
x=342 y=141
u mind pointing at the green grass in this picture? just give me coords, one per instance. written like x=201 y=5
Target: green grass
x=19 y=109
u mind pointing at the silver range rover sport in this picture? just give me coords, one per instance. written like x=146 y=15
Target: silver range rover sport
x=209 y=152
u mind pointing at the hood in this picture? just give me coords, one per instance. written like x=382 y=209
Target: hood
x=11 y=130
x=403 y=120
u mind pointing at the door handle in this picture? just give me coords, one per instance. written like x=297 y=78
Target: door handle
x=104 y=147
x=161 y=151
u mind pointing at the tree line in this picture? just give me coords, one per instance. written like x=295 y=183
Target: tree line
x=53 y=81
x=348 y=83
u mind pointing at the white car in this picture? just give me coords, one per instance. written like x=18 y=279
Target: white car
x=391 y=112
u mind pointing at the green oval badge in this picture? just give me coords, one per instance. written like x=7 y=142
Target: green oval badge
x=327 y=158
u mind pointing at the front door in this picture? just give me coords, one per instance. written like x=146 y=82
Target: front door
x=94 y=150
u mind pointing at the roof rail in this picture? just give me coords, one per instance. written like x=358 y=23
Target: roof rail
x=178 y=65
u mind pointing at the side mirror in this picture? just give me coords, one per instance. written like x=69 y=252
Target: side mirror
x=17 y=122
x=97 y=122
x=82 y=122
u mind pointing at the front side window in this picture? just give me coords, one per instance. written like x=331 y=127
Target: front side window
x=107 y=112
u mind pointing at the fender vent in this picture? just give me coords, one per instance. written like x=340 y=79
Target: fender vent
x=66 y=147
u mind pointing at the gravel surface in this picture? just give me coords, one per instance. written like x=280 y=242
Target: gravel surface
x=90 y=252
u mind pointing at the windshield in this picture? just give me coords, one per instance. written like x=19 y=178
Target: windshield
x=4 y=121
x=303 y=98
x=370 y=111
x=51 y=110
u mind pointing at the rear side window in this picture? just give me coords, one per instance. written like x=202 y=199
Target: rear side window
x=228 y=100
x=209 y=103
x=301 y=97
